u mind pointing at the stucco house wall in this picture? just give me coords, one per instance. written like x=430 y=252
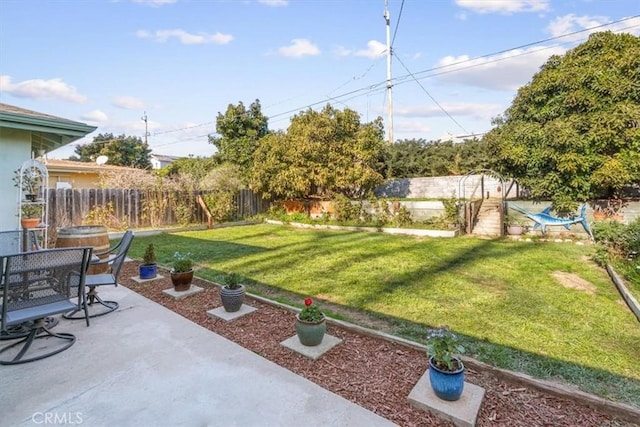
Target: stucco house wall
x=16 y=148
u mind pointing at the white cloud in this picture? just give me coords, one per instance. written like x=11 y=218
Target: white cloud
x=298 y=48
x=95 y=116
x=274 y=3
x=342 y=51
x=41 y=89
x=572 y=23
x=374 y=49
x=505 y=7
x=410 y=127
x=185 y=37
x=155 y=2
x=478 y=111
x=506 y=71
x=128 y=103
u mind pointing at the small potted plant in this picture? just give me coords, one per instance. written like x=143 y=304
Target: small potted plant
x=149 y=268
x=31 y=215
x=182 y=271
x=515 y=226
x=310 y=324
x=30 y=180
x=232 y=293
x=446 y=371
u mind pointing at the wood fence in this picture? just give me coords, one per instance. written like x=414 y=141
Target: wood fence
x=134 y=208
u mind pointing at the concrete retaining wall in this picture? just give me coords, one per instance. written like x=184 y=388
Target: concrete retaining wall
x=439 y=187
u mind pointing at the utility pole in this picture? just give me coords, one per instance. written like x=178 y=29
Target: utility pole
x=146 y=133
x=389 y=85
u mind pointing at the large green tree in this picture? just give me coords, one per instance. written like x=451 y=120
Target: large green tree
x=239 y=129
x=190 y=171
x=321 y=154
x=120 y=150
x=410 y=158
x=573 y=133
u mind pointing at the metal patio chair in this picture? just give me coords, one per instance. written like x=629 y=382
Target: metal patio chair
x=36 y=285
x=14 y=241
x=93 y=281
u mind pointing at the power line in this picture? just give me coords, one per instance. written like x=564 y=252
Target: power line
x=393 y=39
x=426 y=73
x=432 y=98
x=401 y=79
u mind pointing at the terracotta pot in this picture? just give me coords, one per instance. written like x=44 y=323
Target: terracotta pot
x=182 y=280
x=30 y=222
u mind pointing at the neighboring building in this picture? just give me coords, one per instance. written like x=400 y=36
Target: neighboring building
x=158 y=161
x=70 y=174
x=25 y=134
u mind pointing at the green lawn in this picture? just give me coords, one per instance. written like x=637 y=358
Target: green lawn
x=500 y=296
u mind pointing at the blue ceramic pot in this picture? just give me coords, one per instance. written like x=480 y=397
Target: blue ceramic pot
x=310 y=333
x=446 y=385
x=148 y=271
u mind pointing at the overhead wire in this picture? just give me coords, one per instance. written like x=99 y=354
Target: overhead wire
x=395 y=31
x=401 y=79
x=432 y=98
x=423 y=74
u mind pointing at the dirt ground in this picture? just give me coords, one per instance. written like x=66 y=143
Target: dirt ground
x=374 y=373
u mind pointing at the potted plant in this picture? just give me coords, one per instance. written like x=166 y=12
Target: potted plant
x=446 y=371
x=149 y=268
x=515 y=226
x=182 y=271
x=31 y=215
x=232 y=293
x=30 y=180
x=310 y=324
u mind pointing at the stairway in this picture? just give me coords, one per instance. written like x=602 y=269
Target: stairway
x=489 y=220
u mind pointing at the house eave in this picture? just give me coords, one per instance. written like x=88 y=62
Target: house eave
x=48 y=132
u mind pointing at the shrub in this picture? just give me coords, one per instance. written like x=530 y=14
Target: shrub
x=149 y=257
x=403 y=217
x=619 y=239
x=344 y=209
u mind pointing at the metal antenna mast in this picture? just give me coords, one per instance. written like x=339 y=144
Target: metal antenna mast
x=389 y=85
x=146 y=133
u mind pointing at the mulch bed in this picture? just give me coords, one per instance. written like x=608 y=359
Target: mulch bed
x=371 y=372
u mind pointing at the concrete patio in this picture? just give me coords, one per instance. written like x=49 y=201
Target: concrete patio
x=144 y=365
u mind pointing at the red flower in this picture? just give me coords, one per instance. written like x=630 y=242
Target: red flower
x=308 y=302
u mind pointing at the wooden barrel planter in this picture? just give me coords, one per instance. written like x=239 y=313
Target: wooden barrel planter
x=95 y=236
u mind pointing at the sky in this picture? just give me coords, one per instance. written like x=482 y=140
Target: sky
x=166 y=68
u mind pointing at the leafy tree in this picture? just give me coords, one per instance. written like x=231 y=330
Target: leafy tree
x=222 y=184
x=240 y=130
x=573 y=133
x=191 y=170
x=121 y=150
x=411 y=158
x=321 y=154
